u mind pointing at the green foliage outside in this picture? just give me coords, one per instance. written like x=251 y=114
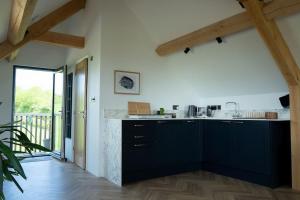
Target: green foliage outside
x=38 y=101
x=35 y=100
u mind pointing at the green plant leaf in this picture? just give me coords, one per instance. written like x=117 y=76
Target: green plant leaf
x=36 y=146
x=2 y=197
x=13 y=160
x=9 y=176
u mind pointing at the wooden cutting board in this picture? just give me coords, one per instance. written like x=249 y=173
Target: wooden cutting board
x=139 y=108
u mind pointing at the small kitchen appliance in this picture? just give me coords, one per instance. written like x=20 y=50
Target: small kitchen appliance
x=192 y=111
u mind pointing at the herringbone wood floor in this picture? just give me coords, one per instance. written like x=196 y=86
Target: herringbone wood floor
x=53 y=180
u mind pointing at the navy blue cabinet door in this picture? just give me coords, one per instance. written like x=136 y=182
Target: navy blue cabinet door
x=178 y=142
x=251 y=149
x=188 y=142
x=218 y=142
x=166 y=149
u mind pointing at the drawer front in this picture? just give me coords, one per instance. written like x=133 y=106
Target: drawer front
x=138 y=156
x=138 y=131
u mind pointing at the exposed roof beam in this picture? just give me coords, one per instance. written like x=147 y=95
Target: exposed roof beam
x=236 y=23
x=20 y=18
x=43 y=26
x=61 y=39
x=280 y=51
x=46 y=23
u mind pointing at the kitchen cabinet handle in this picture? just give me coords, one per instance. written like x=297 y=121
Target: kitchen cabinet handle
x=228 y=122
x=239 y=122
x=138 y=136
x=161 y=122
x=190 y=121
x=138 y=125
x=139 y=145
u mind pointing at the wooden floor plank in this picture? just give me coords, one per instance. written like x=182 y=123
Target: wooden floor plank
x=54 y=180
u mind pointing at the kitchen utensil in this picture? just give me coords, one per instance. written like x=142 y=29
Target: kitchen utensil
x=139 y=108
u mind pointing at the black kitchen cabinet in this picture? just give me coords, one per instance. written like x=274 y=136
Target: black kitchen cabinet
x=166 y=148
x=179 y=142
x=160 y=147
x=138 y=142
x=251 y=146
x=250 y=150
x=218 y=142
x=189 y=142
x=255 y=151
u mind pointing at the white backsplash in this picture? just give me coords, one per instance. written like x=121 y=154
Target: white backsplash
x=123 y=114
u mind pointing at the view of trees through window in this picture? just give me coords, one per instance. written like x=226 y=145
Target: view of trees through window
x=34 y=92
x=33 y=106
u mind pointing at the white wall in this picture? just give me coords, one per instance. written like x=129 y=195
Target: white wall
x=258 y=102
x=5 y=92
x=240 y=66
x=88 y=23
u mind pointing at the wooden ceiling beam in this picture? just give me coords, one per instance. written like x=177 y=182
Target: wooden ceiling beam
x=61 y=39
x=42 y=26
x=234 y=24
x=279 y=49
x=46 y=23
x=20 y=18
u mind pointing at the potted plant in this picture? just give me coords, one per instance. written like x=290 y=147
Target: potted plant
x=10 y=165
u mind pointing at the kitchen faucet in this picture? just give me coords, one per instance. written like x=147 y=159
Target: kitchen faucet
x=236 y=109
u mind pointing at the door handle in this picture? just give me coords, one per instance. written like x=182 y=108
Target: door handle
x=83 y=114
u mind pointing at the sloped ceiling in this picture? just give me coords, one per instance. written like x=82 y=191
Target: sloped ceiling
x=168 y=19
x=4 y=18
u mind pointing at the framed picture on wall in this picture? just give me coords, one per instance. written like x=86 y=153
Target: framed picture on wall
x=127 y=82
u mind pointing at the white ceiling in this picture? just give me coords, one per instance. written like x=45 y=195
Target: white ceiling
x=168 y=19
x=43 y=8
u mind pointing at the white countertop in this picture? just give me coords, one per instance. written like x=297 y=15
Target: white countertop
x=206 y=118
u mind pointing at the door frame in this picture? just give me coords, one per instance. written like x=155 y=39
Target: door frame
x=86 y=105
x=15 y=67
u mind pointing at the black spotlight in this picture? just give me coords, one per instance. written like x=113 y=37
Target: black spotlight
x=219 y=40
x=187 y=50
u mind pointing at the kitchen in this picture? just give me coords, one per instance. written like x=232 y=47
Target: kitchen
x=240 y=69
x=209 y=106
x=248 y=145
